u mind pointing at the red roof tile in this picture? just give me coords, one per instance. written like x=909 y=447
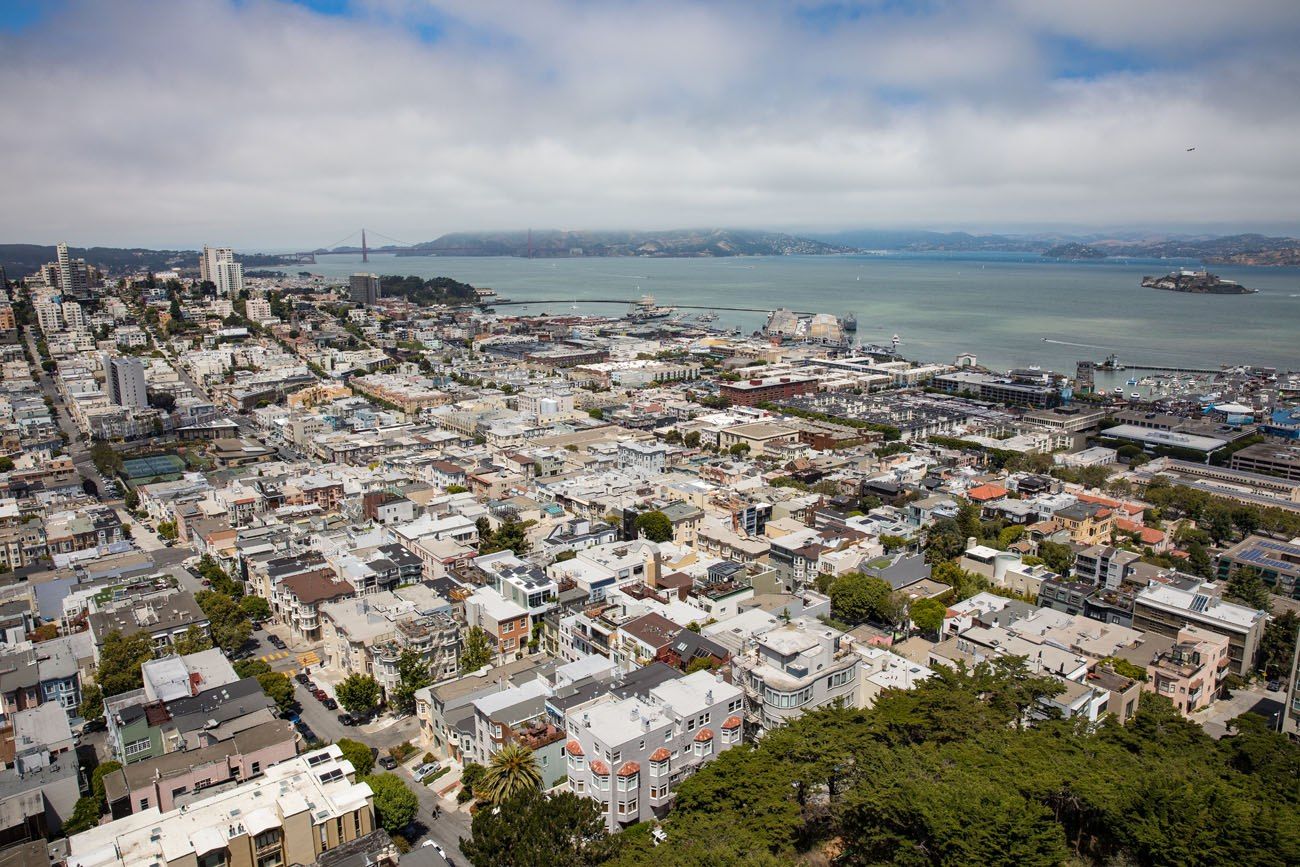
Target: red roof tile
x=629 y=769
x=705 y=735
x=600 y=768
x=659 y=755
x=574 y=748
x=733 y=722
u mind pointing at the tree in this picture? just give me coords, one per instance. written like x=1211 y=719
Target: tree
x=358 y=754
x=964 y=584
x=456 y=489
x=738 y=450
x=85 y=815
x=194 y=640
x=91 y=708
x=1056 y=556
x=251 y=668
x=279 y=689
x=673 y=437
x=6 y=464
x=229 y=627
x=119 y=662
x=412 y=675
x=1245 y=586
x=478 y=651
x=692 y=439
x=654 y=525
x=471 y=776
x=857 y=598
x=255 y=608
x=512 y=769
x=894 y=543
x=395 y=803
x=928 y=615
x=1277 y=647
x=97 y=778
x=536 y=830
x=167 y=530
x=358 y=693
x=1198 y=560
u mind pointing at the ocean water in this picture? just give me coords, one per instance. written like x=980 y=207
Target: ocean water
x=1009 y=309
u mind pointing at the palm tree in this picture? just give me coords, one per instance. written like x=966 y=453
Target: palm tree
x=511 y=770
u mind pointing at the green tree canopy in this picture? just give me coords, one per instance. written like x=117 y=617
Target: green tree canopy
x=395 y=803
x=535 y=830
x=412 y=675
x=120 y=659
x=478 y=651
x=102 y=770
x=255 y=607
x=1056 y=556
x=928 y=615
x=857 y=598
x=279 y=689
x=358 y=693
x=362 y=759
x=91 y=708
x=1245 y=586
x=194 y=640
x=654 y=525
x=229 y=626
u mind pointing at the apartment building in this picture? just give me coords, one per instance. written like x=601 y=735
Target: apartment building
x=1277 y=562
x=629 y=754
x=296 y=813
x=1190 y=674
x=1166 y=609
x=505 y=622
x=793 y=668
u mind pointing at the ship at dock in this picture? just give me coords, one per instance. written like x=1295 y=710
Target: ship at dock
x=646 y=310
x=1196 y=283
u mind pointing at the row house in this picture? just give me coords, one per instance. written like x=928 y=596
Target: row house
x=298 y=599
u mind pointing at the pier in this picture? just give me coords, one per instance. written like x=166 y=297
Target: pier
x=1161 y=369
x=631 y=301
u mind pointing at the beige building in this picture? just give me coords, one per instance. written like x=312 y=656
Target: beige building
x=756 y=435
x=294 y=814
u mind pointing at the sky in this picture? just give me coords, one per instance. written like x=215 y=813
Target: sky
x=274 y=124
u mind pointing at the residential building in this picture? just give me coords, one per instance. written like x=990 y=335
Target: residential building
x=1191 y=673
x=364 y=288
x=124 y=379
x=1166 y=609
x=792 y=668
x=630 y=753
x=296 y=813
x=1276 y=562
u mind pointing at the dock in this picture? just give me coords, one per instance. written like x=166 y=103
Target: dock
x=632 y=301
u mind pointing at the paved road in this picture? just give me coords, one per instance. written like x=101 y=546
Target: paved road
x=445 y=830
x=1256 y=699
x=77 y=449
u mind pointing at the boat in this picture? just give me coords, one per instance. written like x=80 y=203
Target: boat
x=1119 y=391
x=646 y=310
x=1135 y=395
x=849 y=322
x=1132 y=381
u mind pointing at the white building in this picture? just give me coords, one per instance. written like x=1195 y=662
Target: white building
x=218 y=265
x=629 y=754
x=124 y=381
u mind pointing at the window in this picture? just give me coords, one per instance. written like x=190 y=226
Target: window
x=629 y=783
x=219 y=858
x=704 y=748
x=839 y=678
x=733 y=706
x=579 y=786
x=690 y=724
x=135 y=748
x=255 y=769
x=271 y=859
x=144 y=803
x=704 y=718
x=600 y=782
x=338 y=829
x=269 y=838
x=356 y=823
x=731 y=736
x=659 y=791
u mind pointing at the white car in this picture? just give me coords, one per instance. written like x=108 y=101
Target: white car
x=436 y=848
x=424 y=770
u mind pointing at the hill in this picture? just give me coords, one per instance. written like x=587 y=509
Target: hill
x=1073 y=252
x=666 y=244
x=21 y=260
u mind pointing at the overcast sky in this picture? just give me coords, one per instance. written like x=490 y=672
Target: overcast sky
x=269 y=124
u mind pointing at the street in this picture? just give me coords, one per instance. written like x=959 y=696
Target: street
x=1254 y=699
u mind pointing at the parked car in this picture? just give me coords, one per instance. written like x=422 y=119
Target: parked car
x=1275 y=686
x=330 y=704
x=345 y=719
x=302 y=678
x=425 y=769
x=311 y=686
x=277 y=642
x=387 y=762
x=306 y=732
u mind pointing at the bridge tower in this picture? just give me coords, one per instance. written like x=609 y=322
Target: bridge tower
x=365 y=253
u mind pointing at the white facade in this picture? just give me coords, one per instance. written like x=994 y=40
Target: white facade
x=630 y=754
x=218 y=265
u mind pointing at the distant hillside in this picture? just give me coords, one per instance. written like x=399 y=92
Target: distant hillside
x=666 y=244
x=21 y=260
x=1073 y=251
x=1246 y=249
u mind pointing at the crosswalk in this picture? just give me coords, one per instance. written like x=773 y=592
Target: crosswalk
x=278 y=655
x=309 y=658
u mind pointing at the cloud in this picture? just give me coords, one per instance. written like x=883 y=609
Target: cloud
x=268 y=124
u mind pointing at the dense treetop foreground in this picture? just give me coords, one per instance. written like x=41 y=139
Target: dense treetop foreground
x=946 y=774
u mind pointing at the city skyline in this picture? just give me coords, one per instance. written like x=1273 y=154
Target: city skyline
x=283 y=125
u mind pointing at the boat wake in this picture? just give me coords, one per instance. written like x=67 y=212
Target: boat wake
x=1068 y=343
